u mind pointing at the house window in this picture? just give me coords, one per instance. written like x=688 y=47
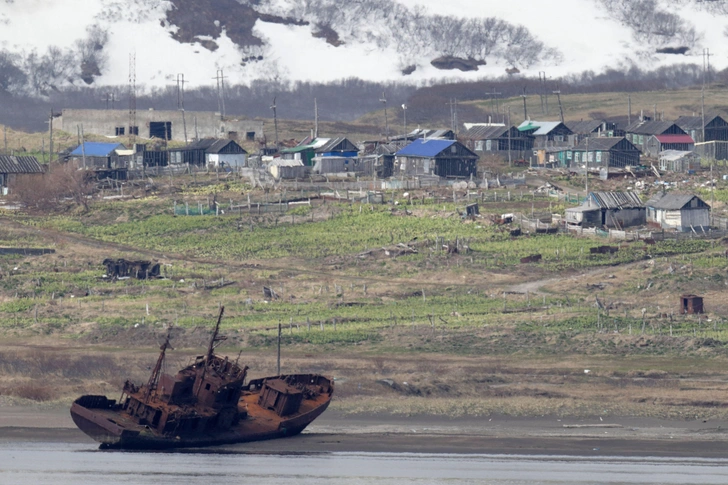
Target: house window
x=133 y=130
x=559 y=138
x=453 y=149
x=642 y=140
x=568 y=155
x=250 y=136
x=119 y=131
x=599 y=157
x=479 y=145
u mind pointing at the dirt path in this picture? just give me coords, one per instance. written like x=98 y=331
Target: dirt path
x=537 y=285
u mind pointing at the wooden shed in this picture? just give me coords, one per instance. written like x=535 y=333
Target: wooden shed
x=682 y=212
x=15 y=170
x=608 y=209
x=691 y=304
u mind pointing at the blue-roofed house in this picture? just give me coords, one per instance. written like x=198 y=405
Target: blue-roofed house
x=100 y=156
x=444 y=158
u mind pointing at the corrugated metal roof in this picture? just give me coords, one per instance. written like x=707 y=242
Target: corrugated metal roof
x=616 y=200
x=673 y=155
x=670 y=201
x=96 y=149
x=332 y=143
x=650 y=127
x=541 y=127
x=688 y=123
x=584 y=127
x=425 y=148
x=485 y=132
x=675 y=139
x=219 y=145
x=600 y=143
x=12 y=164
x=279 y=162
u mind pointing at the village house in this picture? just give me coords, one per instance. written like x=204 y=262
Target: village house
x=657 y=144
x=593 y=128
x=681 y=212
x=614 y=210
x=495 y=139
x=716 y=128
x=310 y=148
x=604 y=153
x=18 y=170
x=640 y=132
x=210 y=152
x=679 y=161
x=444 y=158
x=101 y=156
x=548 y=134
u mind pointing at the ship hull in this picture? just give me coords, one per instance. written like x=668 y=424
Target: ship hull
x=103 y=420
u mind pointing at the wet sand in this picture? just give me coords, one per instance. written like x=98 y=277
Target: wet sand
x=334 y=432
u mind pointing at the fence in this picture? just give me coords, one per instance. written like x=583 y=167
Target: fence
x=216 y=208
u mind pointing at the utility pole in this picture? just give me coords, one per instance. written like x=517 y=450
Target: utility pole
x=383 y=100
x=586 y=169
x=279 y=348
x=181 y=101
x=404 y=113
x=494 y=106
x=525 y=108
x=561 y=108
x=5 y=138
x=510 y=161
x=132 y=101
x=629 y=109
x=50 y=136
x=275 y=119
x=702 y=111
x=654 y=115
x=220 y=78
x=457 y=121
x=315 y=118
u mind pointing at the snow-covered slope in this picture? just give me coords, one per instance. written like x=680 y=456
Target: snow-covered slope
x=326 y=40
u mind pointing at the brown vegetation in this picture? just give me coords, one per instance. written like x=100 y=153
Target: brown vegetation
x=49 y=192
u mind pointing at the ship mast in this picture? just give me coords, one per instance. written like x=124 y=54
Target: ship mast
x=154 y=378
x=216 y=337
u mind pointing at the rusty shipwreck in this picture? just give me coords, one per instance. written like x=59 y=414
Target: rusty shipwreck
x=206 y=403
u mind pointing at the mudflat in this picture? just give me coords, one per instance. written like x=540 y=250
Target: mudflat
x=338 y=432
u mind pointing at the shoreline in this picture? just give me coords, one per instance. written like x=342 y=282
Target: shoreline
x=492 y=435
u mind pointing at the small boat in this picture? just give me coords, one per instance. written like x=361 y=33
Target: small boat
x=206 y=403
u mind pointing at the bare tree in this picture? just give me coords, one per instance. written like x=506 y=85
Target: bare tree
x=59 y=188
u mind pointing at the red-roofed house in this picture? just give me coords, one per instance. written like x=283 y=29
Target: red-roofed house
x=659 y=143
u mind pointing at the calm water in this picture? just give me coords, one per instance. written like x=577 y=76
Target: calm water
x=61 y=464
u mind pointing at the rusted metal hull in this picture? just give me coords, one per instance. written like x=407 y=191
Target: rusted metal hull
x=104 y=421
